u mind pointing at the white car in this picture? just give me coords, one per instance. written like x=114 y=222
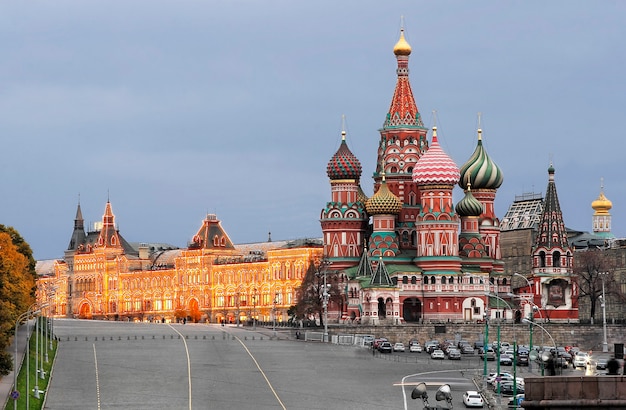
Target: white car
x=581 y=359
x=415 y=348
x=472 y=399
x=437 y=354
x=398 y=347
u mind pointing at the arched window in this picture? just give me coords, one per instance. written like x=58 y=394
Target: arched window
x=443 y=280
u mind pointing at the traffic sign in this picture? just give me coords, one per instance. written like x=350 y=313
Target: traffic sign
x=15 y=394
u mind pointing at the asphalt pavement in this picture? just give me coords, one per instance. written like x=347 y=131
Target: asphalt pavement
x=106 y=365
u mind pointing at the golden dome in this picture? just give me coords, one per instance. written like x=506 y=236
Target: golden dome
x=402 y=47
x=602 y=204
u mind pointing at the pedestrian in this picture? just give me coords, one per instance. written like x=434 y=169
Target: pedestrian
x=612 y=366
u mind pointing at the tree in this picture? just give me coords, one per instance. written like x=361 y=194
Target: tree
x=592 y=267
x=17 y=285
x=311 y=290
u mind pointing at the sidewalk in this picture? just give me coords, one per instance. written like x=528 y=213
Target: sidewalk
x=6 y=382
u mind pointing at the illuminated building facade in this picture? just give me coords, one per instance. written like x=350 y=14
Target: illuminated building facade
x=102 y=276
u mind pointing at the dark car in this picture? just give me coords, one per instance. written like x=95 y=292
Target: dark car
x=385 y=347
x=602 y=363
x=506 y=388
x=522 y=359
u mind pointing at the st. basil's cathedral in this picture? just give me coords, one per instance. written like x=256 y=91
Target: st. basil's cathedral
x=410 y=253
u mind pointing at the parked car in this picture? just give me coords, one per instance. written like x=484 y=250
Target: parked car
x=467 y=349
x=505 y=359
x=437 y=354
x=415 y=348
x=522 y=358
x=581 y=359
x=431 y=345
x=368 y=340
x=507 y=388
x=398 y=347
x=379 y=341
x=472 y=398
x=489 y=355
x=385 y=347
x=454 y=354
x=602 y=363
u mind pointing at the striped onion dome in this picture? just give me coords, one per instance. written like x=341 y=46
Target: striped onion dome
x=435 y=166
x=469 y=206
x=480 y=170
x=344 y=164
x=384 y=202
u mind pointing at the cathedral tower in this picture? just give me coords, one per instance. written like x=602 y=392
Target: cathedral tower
x=402 y=143
x=556 y=288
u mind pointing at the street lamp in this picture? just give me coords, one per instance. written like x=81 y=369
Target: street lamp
x=325 y=296
x=605 y=345
x=543 y=358
x=275 y=302
x=498 y=350
x=254 y=309
x=26 y=315
x=443 y=393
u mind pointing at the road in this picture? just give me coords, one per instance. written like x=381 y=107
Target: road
x=120 y=365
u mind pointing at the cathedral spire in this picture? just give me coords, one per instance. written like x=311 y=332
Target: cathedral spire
x=552 y=232
x=403 y=112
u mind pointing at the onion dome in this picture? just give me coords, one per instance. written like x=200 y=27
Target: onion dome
x=435 y=166
x=402 y=47
x=469 y=206
x=480 y=170
x=344 y=164
x=360 y=196
x=384 y=202
x=602 y=205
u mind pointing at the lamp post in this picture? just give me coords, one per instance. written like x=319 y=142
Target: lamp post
x=544 y=329
x=25 y=315
x=254 y=309
x=485 y=343
x=275 y=302
x=325 y=296
x=498 y=353
x=605 y=345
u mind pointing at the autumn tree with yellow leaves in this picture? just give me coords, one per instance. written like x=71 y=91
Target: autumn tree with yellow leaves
x=17 y=287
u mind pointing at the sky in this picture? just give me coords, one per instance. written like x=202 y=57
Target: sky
x=175 y=109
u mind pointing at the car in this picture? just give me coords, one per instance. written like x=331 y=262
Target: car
x=505 y=359
x=432 y=345
x=385 y=347
x=581 y=359
x=467 y=349
x=454 y=354
x=488 y=355
x=379 y=341
x=437 y=354
x=415 y=348
x=508 y=388
x=602 y=363
x=472 y=398
x=522 y=358
x=398 y=347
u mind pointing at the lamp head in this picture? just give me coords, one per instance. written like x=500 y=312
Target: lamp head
x=444 y=393
x=419 y=392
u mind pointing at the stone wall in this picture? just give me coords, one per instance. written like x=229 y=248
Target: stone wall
x=587 y=337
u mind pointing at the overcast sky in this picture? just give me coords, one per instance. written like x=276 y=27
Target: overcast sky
x=175 y=109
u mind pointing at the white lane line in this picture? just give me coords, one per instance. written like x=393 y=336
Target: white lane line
x=95 y=359
x=262 y=373
x=188 y=361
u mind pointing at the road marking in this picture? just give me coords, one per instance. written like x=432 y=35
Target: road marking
x=188 y=361
x=95 y=359
x=262 y=373
x=403 y=383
